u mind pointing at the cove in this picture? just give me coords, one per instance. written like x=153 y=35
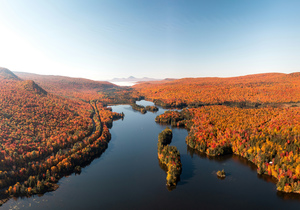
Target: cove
x=128 y=176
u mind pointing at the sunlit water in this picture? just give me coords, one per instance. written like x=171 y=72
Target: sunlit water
x=128 y=176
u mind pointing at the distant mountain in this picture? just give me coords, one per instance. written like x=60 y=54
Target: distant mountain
x=79 y=88
x=156 y=81
x=27 y=85
x=7 y=74
x=133 y=79
x=66 y=86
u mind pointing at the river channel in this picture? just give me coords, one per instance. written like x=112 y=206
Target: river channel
x=128 y=176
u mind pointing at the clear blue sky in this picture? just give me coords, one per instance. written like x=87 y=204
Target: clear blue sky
x=103 y=39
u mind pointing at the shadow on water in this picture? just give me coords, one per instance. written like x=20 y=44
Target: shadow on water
x=244 y=161
x=253 y=167
x=202 y=155
x=288 y=196
x=188 y=169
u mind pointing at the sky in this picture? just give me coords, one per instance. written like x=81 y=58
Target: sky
x=104 y=39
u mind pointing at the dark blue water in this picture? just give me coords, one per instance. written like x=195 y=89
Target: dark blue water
x=128 y=176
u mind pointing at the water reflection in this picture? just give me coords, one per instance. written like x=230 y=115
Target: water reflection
x=202 y=155
x=188 y=169
x=253 y=167
x=222 y=178
x=267 y=178
x=288 y=196
x=241 y=160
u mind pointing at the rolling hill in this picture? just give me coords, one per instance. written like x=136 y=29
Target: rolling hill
x=67 y=86
x=44 y=136
x=250 y=90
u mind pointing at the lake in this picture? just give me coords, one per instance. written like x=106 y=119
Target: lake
x=128 y=176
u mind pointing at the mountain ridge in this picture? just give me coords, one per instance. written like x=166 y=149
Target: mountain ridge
x=7 y=74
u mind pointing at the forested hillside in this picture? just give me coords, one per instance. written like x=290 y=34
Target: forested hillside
x=244 y=91
x=45 y=136
x=52 y=126
x=269 y=137
x=255 y=116
x=67 y=86
x=83 y=89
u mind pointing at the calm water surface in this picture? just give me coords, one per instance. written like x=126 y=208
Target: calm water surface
x=128 y=176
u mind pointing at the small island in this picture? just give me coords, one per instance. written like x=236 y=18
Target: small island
x=169 y=156
x=143 y=109
x=151 y=108
x=139 y=108
x=221 y=174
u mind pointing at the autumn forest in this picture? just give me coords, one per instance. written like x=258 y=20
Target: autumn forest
x=53 y=126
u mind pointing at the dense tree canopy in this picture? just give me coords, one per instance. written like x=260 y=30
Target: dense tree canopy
x=268 y=137
x=53 y=126
x=44 y=136
x=251 y=90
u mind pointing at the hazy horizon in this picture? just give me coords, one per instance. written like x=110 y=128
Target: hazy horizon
x=102 y=40
x=128 y=77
